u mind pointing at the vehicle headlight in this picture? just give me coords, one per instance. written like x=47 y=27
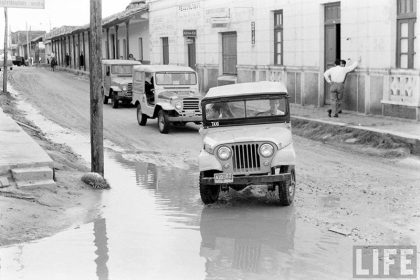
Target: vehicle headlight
x=224 y=153
x=208 y=148
x=178 y=105
x=124 y=88
x=266 y=150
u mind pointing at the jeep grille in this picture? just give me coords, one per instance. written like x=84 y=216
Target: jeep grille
x=245 y=158
x=191 y=104
x=130 y=88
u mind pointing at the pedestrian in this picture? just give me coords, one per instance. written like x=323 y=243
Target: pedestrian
x=53 y=63
x=81 y=60
x=335 y=77
x=67 y=58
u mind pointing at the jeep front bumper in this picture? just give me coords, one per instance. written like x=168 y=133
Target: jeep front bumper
x=185 y=119
x=250 y=180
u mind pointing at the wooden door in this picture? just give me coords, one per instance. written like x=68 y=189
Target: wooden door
x=330 y=55
x=191 y=52
x=229 y=53
x=332 y=46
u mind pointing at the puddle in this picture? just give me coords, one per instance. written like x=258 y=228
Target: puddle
x=154 y=226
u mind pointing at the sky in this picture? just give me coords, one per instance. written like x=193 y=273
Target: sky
x=56 y=14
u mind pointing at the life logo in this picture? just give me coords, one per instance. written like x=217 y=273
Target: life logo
x=385 y=261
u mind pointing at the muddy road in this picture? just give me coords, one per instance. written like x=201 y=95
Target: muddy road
x=154 y=226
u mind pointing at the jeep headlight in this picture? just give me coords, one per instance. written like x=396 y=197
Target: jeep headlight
x=208 y=148
x=178 y=105
x=224 y=153
x=266 y=150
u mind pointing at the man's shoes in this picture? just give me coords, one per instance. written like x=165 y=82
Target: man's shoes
x=340 y=112
x=329 y=112
x=336 y=116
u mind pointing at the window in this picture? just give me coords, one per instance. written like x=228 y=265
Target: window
x=278 y=37
x=140 y=48
x=165 y=50
x=273 y=107
x=406 y=19
x=176 y=78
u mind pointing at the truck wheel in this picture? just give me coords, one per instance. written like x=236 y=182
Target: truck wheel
x=141 y=118
x=114 y=100
x=163 y=122
x=209 y=194
x=287 y=189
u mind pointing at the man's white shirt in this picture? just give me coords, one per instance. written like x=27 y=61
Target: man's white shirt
x=338 y=73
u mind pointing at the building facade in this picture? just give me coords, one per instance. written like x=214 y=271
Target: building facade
x=295 y=41
x=20 y=40
x=123 y=33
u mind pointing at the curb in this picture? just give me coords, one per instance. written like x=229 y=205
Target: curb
x=410 y=141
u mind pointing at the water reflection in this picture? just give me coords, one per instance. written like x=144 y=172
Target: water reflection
x=101 y=243
x=247 y=240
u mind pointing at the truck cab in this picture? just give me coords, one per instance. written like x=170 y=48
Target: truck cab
x=117 y=76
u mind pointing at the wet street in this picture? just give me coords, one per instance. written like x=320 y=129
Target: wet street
x=153 y=225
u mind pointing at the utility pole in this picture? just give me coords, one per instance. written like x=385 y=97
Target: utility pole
x=96 y=106
x=5 y=52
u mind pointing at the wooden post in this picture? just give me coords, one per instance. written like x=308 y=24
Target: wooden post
x=5 y=53
x=96 y=109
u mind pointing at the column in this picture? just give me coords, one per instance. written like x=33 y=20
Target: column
x=73 y=37
x=127 y=35
x=117 y=45
x=84 y=51
x=107 y=42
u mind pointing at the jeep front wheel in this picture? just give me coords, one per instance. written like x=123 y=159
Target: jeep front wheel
x=163 y=122
x=287 y=188
x=141 y=118
x=209 y=193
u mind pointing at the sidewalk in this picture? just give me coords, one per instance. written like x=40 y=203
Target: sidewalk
x=22 y=161
x=407 y=131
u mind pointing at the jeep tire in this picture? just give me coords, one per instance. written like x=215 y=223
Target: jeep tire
x=163 y=122
x=287 y=188
x=141 y=118
x=209 y=193
x=114 y=100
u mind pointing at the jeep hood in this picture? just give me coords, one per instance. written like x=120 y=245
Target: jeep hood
x=122 y=80
x=278 y=133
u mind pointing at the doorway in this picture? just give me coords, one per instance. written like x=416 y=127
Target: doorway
x=229 y=53
x=332 y=43
x=191 y=52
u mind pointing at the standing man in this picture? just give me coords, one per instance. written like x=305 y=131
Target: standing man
x=336 y=76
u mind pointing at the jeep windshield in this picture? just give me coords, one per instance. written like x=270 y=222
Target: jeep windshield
x=122 y=70
x=176 y=78
x=255 y=109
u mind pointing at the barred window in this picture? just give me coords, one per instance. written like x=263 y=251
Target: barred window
x=278 y=37
x=406 y=19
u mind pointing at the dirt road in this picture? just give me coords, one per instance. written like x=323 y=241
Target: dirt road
x=373 y=195
x=373 y=199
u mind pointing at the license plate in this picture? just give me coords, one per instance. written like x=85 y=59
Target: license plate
x=189 y=113
x=223 y=178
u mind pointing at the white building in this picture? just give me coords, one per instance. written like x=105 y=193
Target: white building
x=295 y=41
